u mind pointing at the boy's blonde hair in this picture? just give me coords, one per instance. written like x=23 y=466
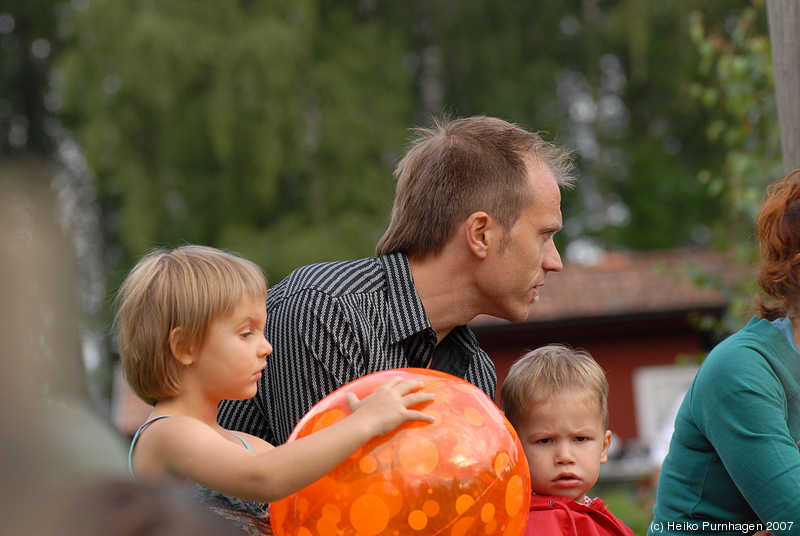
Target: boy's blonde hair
x=548 y=372
x=187 y=288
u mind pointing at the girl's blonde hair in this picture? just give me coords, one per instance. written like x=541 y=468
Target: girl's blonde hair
x=549 y=372
x=187 y=288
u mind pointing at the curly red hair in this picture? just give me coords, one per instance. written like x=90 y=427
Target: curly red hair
x=778 y=233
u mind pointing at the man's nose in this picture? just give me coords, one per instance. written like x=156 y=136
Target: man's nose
x=552 y=259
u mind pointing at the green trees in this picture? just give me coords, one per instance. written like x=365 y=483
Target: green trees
x=273 y=127
x=736 y=87
x=27 y=47
x=268 y=127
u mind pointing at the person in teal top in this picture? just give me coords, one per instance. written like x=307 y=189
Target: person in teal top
x=733 y=465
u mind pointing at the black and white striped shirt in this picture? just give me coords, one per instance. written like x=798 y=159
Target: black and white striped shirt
x=333 y=322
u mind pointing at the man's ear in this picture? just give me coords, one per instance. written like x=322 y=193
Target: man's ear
x=179 y=349
x=478 y=229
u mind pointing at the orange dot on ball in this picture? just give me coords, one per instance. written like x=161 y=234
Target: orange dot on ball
x=501 y=463
x=368 y=464
x=417 y=520
x=369 y=515
x=463 y=503
x=473 y=416
x=430 y=507
x=516 y=495
x=487 y=512
x=328 y=418
x=418 y=456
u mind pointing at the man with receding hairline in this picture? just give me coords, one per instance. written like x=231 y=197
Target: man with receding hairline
x=477 y=204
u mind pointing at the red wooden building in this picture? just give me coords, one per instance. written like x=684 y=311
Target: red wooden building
x=633 y=312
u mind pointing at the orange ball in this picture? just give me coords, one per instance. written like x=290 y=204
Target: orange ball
x=464 y=474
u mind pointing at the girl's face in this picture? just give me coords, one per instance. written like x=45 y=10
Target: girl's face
x=229 y=363
x=565 y=443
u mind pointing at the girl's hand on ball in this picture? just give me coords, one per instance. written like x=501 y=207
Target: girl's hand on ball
x=390 y=405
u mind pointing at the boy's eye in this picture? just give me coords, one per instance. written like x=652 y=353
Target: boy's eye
x=544 y=441
x=581 y=439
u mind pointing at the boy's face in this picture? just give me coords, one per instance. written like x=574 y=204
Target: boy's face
x=565 y=443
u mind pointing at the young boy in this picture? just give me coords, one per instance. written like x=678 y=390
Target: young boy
x=557 y=399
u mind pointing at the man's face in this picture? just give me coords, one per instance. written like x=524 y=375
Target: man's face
x=518 y=264
x=565 y=442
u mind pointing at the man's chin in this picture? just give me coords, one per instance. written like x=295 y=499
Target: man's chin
x=517 y=316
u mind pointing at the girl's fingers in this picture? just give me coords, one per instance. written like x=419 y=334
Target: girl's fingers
x=413 y=399
x=352 y=401
x=415 y=415
x=403 y=386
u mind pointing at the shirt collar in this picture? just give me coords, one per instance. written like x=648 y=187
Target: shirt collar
x=785 y=325
x=407 y=314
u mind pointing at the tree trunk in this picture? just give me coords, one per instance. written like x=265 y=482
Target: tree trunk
x=784 y=31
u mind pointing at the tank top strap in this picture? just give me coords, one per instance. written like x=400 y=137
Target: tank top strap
x=136 y=438
x=243 y=440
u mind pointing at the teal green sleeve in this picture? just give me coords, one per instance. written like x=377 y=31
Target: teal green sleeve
x=740 y=405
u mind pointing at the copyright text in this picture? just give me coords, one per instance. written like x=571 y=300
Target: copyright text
x=658 y=527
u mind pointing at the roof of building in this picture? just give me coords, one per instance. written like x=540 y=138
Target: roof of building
x=629 y=283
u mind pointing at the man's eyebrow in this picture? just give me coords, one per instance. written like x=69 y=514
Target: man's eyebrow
x=553 y=229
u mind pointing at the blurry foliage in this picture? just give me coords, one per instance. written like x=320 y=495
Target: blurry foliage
x=263 y=127
x=273 y=127
x=28 y=42
x=609 y=79
x=736 y=87
x=629 y=503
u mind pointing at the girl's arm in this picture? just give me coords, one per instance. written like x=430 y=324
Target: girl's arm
x=189 y=448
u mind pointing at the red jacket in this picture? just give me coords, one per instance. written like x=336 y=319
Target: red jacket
x=551 y=515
